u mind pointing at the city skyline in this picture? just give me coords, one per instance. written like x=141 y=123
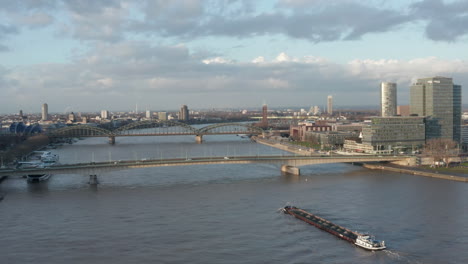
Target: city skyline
x=89 y=56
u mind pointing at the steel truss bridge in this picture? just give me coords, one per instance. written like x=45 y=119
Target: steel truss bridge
x=289 y=163
x=155 y=128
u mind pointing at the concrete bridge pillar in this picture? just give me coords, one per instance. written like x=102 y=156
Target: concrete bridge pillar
x=290 y=170
x=93 y=180
x=199 y=139
x=112 y=140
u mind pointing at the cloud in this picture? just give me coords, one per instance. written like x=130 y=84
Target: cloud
x=164 y=76
x=34 y=20
x=334 y=20
x=314 y=21
x=445 y=21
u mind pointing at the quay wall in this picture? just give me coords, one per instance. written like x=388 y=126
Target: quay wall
x=416 y=172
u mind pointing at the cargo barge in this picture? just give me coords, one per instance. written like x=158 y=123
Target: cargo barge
x=360 y=240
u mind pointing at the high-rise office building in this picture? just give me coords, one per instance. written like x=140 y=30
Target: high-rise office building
x=264 y=122
x=148 y=114
x=184 y=113
x=330 y=105
x=439 y=100
x=104 y=114
x=45 y=112
x=388 y=99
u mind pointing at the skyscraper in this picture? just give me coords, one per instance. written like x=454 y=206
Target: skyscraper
x=45 y=112
x=264 y=122
x=104 y=114
x=330 y=105
x=388 y=99
x=183 y=113
x=439 y=100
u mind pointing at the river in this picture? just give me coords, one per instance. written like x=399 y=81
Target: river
x=225 y=213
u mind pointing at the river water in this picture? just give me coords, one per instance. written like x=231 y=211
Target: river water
x=225 y=213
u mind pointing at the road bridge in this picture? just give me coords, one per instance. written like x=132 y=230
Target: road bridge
x=155 y=128
x=289 y=164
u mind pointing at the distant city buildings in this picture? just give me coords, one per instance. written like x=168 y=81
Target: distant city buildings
x=104 y=114
x=162 y=116
x=72 y=117
x=148 y=114
x=439 y=100
x=388 y=99
x=317 y=110
x=45 y=112
x=330 y=105
x=184 y=113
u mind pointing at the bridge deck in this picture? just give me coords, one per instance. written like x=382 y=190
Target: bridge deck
x=97 y=167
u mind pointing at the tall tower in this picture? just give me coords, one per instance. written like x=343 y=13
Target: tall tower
x=388 y=99
x=265 y=116
x=45 y=112
x=104 y=114
x=439 y=100
x=330 y=105
x=184 y=113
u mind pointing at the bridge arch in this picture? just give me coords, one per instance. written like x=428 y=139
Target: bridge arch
x=80 y=131
x=231 y=128
x=164 y=127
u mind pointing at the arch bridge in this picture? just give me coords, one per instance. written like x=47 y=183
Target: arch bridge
x=155 y=128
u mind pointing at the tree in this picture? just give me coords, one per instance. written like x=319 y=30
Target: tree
x=440 y=149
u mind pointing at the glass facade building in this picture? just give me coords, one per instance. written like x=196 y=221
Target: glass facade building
x=387 y=134
x=388 y=99
x=439 y=100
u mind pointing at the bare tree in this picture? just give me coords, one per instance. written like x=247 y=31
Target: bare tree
x=440 y=149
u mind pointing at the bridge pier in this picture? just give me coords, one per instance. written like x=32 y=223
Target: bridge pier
x=290 y=170
x=112 y=140
x=93 y=180
x=199 y=139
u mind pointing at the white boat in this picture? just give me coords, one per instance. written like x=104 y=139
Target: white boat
x=37 y=177
x=367 y=242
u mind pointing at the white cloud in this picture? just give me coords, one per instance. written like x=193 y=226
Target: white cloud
x=164 y=76
x=216 y=60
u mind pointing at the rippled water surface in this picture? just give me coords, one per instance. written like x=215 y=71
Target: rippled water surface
x=225 y=213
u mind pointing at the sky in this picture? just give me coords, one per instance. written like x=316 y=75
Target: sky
x=90 y=55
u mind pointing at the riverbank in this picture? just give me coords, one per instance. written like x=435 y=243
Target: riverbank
x=408 y=170
x=417 y=172
x=284 y=146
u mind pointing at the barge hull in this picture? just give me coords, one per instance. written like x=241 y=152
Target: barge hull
x=323 y=224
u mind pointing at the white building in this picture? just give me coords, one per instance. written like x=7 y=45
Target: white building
x=388 y=99
x=330 y=105
x=104 y=114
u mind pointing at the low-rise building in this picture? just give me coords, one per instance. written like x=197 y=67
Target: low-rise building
x=329 y=139
x=390 y=135
x=298 y=132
